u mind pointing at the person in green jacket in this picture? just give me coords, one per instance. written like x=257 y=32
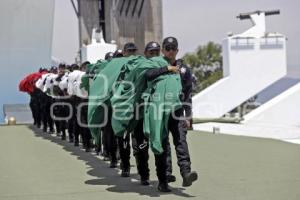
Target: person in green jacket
x=178 y=121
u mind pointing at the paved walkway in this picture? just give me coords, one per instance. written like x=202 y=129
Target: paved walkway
x=36 y=166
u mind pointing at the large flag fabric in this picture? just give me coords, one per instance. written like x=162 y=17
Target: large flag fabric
x=28 y=83
x=127 y=96
x=92 y=70
x=100 y=92
x=160 y=97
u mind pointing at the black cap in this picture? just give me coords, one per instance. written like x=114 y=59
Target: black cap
x=74 y=67
x=118 y=53
x=109 y=55
x=53 y=69
x=43 y=69
x=129 y=46
x=152 y=46
x=170 y=42
x=62 y=66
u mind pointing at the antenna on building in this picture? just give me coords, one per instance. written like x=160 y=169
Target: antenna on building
x=258 y=19
x=243 y=16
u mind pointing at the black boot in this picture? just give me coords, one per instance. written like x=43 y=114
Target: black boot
x=63 y=136
x=113 y=164
x=76 y=143
x=164 y=187
x=145 y=181
x=189 y=178
x=171 y=178
x=125 y=172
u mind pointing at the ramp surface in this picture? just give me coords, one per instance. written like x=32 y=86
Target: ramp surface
x=36 y=166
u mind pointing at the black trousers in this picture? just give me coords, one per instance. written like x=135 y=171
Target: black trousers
x=82 y=111
x=76 y=119
x=61 y=111
x=124 y=149
x=110 y=138
x=46 y=117
x=70 y=123
x=57 y=113
x=38 y=106
x=178 y=129
x=140 y=146
x=35 y=108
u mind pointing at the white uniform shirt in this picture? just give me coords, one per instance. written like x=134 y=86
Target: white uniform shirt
x=40 y=82
x=73 y=76
x=63 y=84
x=80 y=92
x=48 y=88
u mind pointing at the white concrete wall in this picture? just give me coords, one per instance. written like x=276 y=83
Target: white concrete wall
x=25 y=43
x=282 y=109
x=249 y=67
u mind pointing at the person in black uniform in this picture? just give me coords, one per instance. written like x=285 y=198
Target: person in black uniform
x=82 y=107
x=124 y=142
x=129 y=49
x=118 y=53
x=177 y=125
x=140 y=143
x=68 y=100
x=46 y=104
x=35 y=102
x=40 y=104
x=60 y=110
x=104 y=137
x=109 y=56
x=110 y=141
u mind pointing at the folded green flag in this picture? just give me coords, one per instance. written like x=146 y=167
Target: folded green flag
x=161 y=98
x=91 y=69
x=127 y=96
x=100 y=92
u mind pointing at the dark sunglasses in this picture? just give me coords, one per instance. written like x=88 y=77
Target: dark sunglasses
x=131 y=50
x=170 y=48
x=154 y=52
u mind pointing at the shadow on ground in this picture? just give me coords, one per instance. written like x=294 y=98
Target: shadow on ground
x=106 y=176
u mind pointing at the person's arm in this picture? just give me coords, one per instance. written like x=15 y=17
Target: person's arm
x=152 y=74
x=187 y=106
x=187 y=88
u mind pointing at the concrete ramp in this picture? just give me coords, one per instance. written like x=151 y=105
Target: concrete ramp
x=39 y=166
x=250 y=65
x=280 y=110
x=251 y=62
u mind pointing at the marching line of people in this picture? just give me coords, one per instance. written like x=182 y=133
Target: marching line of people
x=70 y=100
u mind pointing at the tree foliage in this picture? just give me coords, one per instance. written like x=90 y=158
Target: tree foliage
x=206 y=64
